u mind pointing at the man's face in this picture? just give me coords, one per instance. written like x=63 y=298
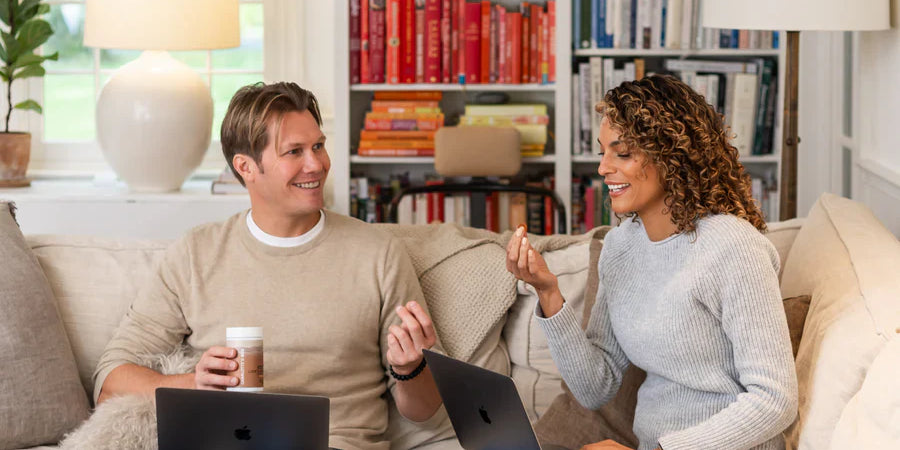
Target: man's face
x=294 y=166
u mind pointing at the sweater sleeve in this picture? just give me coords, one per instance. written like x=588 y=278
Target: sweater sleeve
x=590 y=361
x=154 y=323
x=745 y=290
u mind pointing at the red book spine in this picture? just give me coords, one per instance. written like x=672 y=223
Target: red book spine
x=544 y=70
x=420 y=41
x=433 y=38
x=514 y=55
x=473 y=43
x=525 y=39
x=354 y=41
x=364 y=67
x=533 y=45
x=454 y=39
x=495 y=43
x=392 y=60
x=377 y=30
x=407 y=41
x=490 y=214
x=548 y=216
x=501 y=45
x=551 y=42
x=485 y=65
x=461 y=62
x=445 y=40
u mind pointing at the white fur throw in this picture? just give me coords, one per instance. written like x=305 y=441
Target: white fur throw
x=129 y=422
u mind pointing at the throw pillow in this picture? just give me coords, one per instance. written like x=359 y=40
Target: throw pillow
x=40 y=395
x=568 y=424
x=795 y=309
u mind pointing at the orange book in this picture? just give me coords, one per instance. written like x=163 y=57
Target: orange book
x=368 y=135
x=544 y=70
x=408 y=95
x=405 y=106
x=551 y=39
x=392 y=41
x=396 y=152
x=395 y=143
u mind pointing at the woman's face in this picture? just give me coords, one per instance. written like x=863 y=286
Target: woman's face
x=633 y=185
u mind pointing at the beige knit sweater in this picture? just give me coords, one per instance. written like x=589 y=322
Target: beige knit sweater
x=325 y=308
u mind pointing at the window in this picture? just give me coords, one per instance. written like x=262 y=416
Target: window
x=66 y=133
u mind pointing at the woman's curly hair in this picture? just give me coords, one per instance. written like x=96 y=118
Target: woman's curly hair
x=688 y=142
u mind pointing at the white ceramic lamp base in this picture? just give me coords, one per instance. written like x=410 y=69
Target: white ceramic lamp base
x=154 y=118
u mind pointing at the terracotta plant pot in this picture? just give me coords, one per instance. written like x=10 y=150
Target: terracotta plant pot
x=15 y=151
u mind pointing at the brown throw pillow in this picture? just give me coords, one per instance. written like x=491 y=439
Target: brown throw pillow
x=795 y=309
x=568 y=424
x=41 y=397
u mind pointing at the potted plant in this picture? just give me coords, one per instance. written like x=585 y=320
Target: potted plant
x=23 y=32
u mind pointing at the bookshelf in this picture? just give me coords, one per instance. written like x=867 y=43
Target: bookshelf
x=352 y=101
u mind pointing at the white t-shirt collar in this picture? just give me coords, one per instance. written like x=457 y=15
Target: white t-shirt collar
x=284 y=242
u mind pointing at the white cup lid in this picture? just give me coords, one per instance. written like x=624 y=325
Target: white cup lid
x=243 y=332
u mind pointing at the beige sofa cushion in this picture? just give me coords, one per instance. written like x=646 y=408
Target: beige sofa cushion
x=782 y=235
x=40 y=396
x=871 y=420
x=94 y=281
x=533 y=369
x=847 y=261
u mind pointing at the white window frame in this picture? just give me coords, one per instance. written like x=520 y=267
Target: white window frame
x=283 y=38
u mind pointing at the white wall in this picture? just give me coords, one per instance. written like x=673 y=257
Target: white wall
x=877 y=172
x=876 y=134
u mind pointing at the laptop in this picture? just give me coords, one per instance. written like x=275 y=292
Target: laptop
x=484 y=407
x=196 y=419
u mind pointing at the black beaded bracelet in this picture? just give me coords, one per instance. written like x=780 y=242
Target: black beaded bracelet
x=410 y=375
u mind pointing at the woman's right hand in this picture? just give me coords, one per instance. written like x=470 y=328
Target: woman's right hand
x=528 y=265
x=210 y=371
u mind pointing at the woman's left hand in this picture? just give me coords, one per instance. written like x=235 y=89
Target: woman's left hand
x=608 y=444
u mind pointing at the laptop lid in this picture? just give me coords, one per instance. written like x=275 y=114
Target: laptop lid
x=196 y=419
x=484 y=407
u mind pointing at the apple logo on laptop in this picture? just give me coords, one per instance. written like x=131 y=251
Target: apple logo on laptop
x=484 y=415
x=242 y=434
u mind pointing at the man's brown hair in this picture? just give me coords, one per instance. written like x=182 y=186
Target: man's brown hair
x=246 y=124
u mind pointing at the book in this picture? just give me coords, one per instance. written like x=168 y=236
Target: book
x=396 y=152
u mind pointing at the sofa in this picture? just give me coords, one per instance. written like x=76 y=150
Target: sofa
x=64 y=296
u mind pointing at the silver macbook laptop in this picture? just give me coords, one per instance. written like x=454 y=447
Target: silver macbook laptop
x=195 y=419
x=484 y=407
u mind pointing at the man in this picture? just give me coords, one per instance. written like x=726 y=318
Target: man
x=328 y=290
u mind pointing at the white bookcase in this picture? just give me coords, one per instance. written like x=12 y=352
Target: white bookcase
x=352 y=101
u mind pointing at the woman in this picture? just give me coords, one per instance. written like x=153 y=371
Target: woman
x=688 y=283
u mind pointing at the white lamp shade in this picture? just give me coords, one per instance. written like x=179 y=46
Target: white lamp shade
x=796 y=15
x=162 y=24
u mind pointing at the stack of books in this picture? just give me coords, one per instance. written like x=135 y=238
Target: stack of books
x=530 y=119
x=452 y=41
x=656 y=24
x=401 y=124
x=227 y=183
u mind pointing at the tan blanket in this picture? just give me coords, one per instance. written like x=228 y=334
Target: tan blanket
x=464 y=278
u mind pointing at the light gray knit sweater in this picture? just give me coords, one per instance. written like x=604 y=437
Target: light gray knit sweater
x=701 y=313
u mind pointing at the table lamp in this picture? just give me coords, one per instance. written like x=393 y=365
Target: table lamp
x=793 y=16
x=154 y=115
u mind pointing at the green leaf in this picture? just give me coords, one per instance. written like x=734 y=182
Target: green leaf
x=43 y=8
x=4 y=12
x=30 y=105
x=33 y=34
x=26 y=10
x=3 y=53
x=11 y=46
x=27 y=60
x=28 y=72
